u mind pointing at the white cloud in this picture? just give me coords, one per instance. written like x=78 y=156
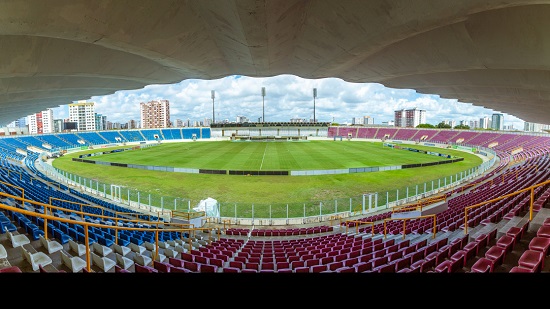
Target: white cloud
x=287 y=96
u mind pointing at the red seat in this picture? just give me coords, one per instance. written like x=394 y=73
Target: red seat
x=443 y=267
x=482 y=265
x=483 y=240
x=471 y=250
x=231 y=270
x=507 y=242
x=11 y=269
x=207 y=268
x=162 y=267
x=459 y=255
x=496 y=254
x=531 y=259
x=544 y=231
x=301 y=269
x=540 y=244
x=144 y=269
x=362 y=267
x=519 y=269
x=317 y=268
x=515 y=232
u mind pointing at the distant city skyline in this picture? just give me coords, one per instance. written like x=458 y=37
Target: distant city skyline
x=286 y=97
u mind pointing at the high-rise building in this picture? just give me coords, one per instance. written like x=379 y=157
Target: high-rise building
x=409 y=118
x=535 y=127
x=484 y=123
x=58 y=125
x=241 y=119
x=83 y=113
x=19 y=123
x=155 y=114
x=368 y=120
x=132 y=124
x=497 y=122
x=41 y=122
x=474 y=124
x=100 y=122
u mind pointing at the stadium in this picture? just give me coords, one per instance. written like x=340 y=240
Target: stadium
x=483 y=210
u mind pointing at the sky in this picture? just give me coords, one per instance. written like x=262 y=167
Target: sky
x=286 y=97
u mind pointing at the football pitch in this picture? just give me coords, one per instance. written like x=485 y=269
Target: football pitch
x=261 y=156
x=267 y=190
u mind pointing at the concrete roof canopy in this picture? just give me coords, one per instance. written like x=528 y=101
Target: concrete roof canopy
x=491 y=53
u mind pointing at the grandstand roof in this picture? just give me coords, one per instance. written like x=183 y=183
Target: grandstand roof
x=491 y=53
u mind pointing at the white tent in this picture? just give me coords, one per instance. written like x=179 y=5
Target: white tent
x=210 y=206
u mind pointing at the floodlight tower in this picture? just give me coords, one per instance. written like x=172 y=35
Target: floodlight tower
x=314 y=96
x=213 y=94
x=263 y=108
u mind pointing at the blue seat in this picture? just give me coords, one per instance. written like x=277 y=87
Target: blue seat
x=105 y=241
x=10 y=226
x=36 y=233
x=135 y=240
x=62 y=237
x=123 y=242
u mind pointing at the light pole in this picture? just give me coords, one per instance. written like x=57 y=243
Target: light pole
x=263 y=109
x=213 y=115
x=314 y=96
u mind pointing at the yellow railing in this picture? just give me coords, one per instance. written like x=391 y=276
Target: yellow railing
x=405 y=223
x=166 y=226
x=420 y=204
x=358 y=223
x=13 y=186
x=532 y=193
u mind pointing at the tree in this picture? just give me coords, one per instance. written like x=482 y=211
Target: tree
x=425 y=125
x=443 y=125
x=462 y=126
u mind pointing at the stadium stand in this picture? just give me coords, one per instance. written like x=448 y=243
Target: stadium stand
x=498 y=235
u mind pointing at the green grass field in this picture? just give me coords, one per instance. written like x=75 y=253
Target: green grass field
x=274 y=192
x=308 y=155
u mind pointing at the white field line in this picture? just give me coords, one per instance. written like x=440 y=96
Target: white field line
x=263 y=157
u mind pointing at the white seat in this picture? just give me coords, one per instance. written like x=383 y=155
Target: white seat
x=180 y=249
x=159 y=258
x=142 y=260
x=123 y=261
x=101 y=249
x=102 y=262
x=3 y=252
x=75 y=263
x=122 y=250
x=137 y=248
x=36 y=259
x=50 y=245
x=172 y=243
x=171 y=252
x=163 y=245
x=77 y=248
x=18 y=240
x=149 y=245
